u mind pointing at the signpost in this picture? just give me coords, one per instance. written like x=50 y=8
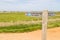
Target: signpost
x=44 y=24
x=45 y=15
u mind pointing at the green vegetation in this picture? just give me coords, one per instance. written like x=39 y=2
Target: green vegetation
x=8 y=17
x=20 y=16
x=27 y=28
x=20 y=28
x=53 y=24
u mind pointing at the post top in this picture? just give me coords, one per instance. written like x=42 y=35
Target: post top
x=46 y=10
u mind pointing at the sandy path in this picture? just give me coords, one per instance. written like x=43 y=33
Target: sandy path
x=52 y=34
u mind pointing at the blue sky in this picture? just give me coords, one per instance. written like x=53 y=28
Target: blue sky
x=29 y=5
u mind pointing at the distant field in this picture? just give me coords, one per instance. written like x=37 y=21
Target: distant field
x=20 y=16
x=7 y=17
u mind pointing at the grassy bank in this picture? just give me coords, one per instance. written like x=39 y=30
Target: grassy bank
x=21 y=28
x=27 y=28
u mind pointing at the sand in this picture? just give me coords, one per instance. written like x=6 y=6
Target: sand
x=52 y=34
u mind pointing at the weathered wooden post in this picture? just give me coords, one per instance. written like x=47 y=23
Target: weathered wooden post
x=44 y=24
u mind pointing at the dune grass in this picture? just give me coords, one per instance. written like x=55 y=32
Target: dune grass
x=20 y=16
x=20 y=28
x=27 y=28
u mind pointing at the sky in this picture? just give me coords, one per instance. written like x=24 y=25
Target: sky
x=29 y=5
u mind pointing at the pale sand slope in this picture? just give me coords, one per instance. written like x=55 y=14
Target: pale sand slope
x=3 y=24
x=52 y=34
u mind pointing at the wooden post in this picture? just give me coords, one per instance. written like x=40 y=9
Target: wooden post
x=44 y=24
